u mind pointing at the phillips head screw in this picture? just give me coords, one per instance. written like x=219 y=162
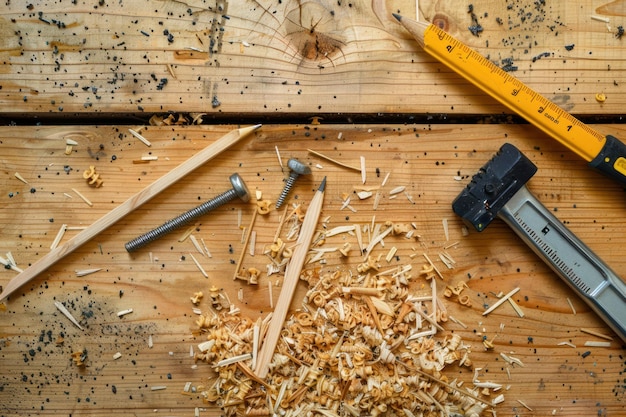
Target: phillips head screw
x=239 y=190
x=297 y=168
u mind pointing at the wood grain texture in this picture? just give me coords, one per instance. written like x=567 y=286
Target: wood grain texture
x=299 y=57
x=169 y=179
x=39 y=378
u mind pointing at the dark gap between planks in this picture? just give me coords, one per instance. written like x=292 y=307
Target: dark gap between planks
x=43 y=119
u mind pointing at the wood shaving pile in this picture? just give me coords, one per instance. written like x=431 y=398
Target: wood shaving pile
x=361 y=344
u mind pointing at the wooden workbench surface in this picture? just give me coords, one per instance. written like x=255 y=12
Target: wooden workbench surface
x=433 y=162
x=60 y=58
x=67 y=62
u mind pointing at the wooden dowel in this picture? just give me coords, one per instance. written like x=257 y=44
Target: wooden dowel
x=292 y=276
x=125 y=208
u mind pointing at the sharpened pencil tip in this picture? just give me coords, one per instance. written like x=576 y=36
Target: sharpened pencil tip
x=397 y=16
x=322 y=186
x=244 y=131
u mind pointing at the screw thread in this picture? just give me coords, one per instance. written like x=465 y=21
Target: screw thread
x=180 y=220
x=286 y=189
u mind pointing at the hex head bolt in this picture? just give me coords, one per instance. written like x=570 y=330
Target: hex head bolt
x=297 y=168
x=239 y=190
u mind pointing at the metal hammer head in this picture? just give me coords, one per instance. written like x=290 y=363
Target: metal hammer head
x=493 y=186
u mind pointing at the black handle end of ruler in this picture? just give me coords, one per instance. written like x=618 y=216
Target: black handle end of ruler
x=611 y=160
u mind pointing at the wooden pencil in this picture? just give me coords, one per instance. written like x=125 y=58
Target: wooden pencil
x=128 y=206
x=292 y=276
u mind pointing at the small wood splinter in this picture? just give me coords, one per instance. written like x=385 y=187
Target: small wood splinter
x=334 y=161
x=500 y=301
x=67 y=314
x=19 y=177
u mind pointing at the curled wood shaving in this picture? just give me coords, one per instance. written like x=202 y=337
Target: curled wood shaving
x=359 y=341
x=319 y=357
x=80 y=357
x=92 y=177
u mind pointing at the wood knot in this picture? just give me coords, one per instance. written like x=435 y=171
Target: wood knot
x=441 y=21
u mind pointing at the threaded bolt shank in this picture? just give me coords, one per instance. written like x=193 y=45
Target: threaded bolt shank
x=297 y=168
x=239 y=190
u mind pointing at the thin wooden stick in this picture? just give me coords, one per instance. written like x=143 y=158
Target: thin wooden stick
x=128 y=206
x=593 y=332
x=500 y=301
x=292 y=276
x=245 y=244
x=334 y=161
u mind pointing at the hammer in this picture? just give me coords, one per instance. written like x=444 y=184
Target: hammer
x=499 y=190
